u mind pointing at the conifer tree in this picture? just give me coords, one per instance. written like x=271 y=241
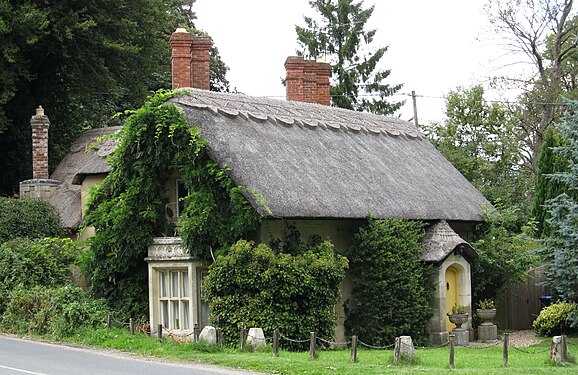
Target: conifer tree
x=561 y=252
x=338 y=35
x=546 y=187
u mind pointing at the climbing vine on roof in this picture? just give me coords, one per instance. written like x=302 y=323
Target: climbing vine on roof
x=128 y=210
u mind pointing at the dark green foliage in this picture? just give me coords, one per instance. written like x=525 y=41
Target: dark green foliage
x=28 y=262
x=56 y=312
x=82 y=61
x=339 y=37
x=391 y=286
x=30 y=218
x=505 y=254
x=561 y=251
x=127 y=209
x=547 y=187
x=555 y=319
x=293 y=293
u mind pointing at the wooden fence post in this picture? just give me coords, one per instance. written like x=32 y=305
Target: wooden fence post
x=452 y=351
x=564 y=348
x=196 y=332
x=109 y=321
x=353 y=349
x=276 y=343
x=242 y=336
x=131 y=326
x=312 y=344
x=506 y=343
x=396 y=351
x=160 y=331
x=219 y=335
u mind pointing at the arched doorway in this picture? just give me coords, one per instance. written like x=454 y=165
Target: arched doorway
x=452 y=292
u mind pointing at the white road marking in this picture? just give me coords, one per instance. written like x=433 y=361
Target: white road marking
x=23 y=371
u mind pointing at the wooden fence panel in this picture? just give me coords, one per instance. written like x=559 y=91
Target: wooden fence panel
x=520 y=305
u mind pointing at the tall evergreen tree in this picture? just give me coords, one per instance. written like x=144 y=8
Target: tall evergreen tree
x=339 y=35
x=561 y=252
x=546 y=188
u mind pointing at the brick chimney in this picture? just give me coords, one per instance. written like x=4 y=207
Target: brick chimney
x=40 y=186
x=40 y=125
x=190 y=60
x=307 y=80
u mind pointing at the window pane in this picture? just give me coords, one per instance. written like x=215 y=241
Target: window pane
x=175 y=312
x=174 y=284
x=165 y=313
x=185 y=287
x=164 y=284
x=185 y=312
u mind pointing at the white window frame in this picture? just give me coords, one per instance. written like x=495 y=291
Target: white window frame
x=172 y=297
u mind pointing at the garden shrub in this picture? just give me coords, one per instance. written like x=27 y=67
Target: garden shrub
x=293 y=293
x=127 y=210
x=391 y=285
x=45 y=262
x=26 y=217
x=554 y=319
x=56 y=312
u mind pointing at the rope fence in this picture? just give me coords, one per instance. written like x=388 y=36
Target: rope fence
x=353 y=344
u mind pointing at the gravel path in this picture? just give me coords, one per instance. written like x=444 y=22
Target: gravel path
x=517 y=339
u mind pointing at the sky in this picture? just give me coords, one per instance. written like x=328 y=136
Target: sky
x=434 y=46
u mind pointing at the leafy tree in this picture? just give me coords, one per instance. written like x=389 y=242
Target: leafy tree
x=83 y=61
x=295 y=293
x=506 y=253
x=392 y=286
x=339 y=35
x=561 y=252
x=546 y=187
x=544 y=32
x=31 y=218
x=478 y=139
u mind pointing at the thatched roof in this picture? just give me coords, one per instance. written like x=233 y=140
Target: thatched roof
x=301 y=160
x=79 y=162
x=311 y=161
x=439 y=242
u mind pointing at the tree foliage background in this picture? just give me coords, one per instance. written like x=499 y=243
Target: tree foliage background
x=338 y=33
x=82 y=61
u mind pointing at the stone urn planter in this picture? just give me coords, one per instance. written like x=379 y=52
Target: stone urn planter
x=486 y=315
x=458 y=319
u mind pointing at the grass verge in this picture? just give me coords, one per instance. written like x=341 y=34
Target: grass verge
x=488 y=360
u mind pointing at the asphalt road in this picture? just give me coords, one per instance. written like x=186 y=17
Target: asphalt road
x=19 y=357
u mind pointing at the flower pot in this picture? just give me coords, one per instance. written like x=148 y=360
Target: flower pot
x=486 y=315
x=458 y=319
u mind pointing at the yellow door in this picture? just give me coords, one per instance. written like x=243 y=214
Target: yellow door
x=452 y=293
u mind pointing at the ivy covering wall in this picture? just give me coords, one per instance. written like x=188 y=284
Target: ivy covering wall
x=127 y=209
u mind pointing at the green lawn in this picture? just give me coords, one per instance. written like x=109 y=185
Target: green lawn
x=467 y=360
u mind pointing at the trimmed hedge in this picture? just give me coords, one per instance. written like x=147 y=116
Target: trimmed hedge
x=27 y=217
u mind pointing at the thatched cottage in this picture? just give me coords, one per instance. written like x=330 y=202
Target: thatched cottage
x=322 y=168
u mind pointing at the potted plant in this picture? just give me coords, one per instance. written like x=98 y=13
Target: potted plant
x=458 y=316
x=486 y=311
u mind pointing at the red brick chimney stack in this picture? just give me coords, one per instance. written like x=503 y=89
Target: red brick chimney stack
x=40 y=125
x=190 y=60
x=307 y=80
